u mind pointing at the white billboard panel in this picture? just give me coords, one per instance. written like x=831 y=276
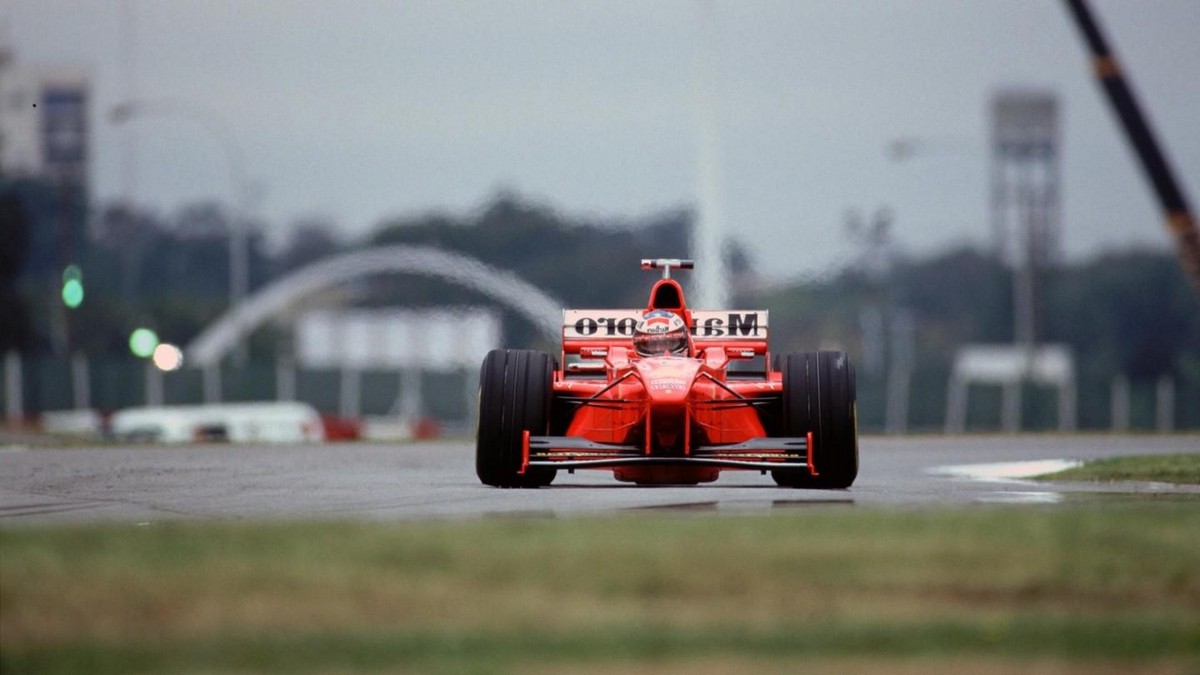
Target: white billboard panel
x=394 y=339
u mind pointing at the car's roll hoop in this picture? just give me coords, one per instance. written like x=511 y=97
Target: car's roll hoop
x=666 y=264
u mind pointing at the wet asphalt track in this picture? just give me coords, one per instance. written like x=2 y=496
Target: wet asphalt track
x=437 y=480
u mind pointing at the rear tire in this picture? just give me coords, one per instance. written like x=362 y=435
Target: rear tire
x=515 y=390
x=819 y=396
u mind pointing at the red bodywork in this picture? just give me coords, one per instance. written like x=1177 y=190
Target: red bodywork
x=665 y=419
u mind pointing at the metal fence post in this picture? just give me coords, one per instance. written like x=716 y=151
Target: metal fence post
x=411 y=403
x=350 y=392
x=471 y=396
x=1068 y=398
x=154 y=385
x=1165 y=404
x=1010 y=406
x=1120 y=403
x=81 y=382
x=285 y=380
x=14 y=388
x=212 y=383
x=956 y=405
x=899 y=382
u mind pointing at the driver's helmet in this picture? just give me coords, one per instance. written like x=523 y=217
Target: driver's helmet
x=660 y=332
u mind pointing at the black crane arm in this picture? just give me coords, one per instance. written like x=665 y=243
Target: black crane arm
x=1179 y=219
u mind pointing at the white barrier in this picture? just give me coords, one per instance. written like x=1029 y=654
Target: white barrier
x=1010 y=366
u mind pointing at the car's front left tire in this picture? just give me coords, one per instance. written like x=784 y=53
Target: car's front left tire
x=515 y=390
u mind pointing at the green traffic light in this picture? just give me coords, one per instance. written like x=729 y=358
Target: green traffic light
x=72 y=293
x=142 y=342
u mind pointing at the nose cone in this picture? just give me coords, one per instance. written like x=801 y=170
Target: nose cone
x=667 y=379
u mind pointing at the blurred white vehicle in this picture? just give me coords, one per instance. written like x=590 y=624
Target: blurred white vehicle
x=268 y=422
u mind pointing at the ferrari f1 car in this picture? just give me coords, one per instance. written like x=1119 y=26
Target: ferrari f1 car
x=666 y=395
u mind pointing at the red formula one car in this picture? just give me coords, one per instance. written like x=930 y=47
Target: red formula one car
x=666 y=395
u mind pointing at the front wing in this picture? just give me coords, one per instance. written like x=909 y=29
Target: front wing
x=577 y=452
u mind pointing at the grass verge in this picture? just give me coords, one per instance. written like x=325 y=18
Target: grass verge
x=1183 y=469
x=1003 y=589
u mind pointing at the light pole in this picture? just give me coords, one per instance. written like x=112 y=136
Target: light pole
x=240 y=186
x=707 y=237
x=897 y=322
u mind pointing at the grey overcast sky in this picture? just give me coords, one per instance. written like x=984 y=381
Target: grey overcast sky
x=369 y=109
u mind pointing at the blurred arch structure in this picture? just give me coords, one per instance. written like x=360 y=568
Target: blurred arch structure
x=540 y=308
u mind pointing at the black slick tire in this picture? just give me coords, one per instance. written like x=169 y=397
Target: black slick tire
x=515 y=390
x=819 y=396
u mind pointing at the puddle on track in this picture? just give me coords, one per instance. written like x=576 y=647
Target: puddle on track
x=1073 y=493
x=1020 y=497
x=1005 y=472
x=734 y=507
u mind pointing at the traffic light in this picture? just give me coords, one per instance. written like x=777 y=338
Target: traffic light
x=142 y=342
x=72 y=287
x=167 y=357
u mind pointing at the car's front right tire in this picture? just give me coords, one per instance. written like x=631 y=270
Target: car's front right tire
x=819 y=396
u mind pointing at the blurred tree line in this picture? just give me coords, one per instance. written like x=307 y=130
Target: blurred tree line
x=171 y=272
x=583 y=264
x=1129 y=313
